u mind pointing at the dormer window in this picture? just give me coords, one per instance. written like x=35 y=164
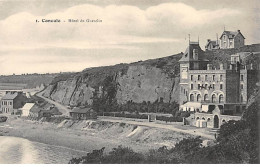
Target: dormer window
x=195 y=54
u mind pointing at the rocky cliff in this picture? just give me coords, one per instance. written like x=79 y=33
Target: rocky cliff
x=150 y=81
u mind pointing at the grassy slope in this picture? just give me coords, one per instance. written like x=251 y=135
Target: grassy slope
x=29 y=80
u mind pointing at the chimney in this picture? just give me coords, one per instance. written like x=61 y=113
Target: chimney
x=209 y=66
x=221 y=66
x=208 y=40
x=238 y=30
x=217 y=38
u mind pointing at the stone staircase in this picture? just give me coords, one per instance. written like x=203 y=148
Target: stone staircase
x=215 y=132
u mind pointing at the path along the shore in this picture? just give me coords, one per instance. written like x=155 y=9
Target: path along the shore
x=184 y=129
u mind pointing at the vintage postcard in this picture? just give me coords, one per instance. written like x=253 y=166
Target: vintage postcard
x=129 y=81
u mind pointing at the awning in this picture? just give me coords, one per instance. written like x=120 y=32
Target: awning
x=192 y=104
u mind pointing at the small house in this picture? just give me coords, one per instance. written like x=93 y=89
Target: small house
x=211 y=45
x=232 y=39
x=83 y=113
x=12 y=101
x=25 y=110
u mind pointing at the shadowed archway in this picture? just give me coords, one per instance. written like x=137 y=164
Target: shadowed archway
x=216 y=121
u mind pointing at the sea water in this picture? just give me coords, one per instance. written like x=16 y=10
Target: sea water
x=15 y=150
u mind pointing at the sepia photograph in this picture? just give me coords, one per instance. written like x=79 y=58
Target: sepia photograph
x=129 y=82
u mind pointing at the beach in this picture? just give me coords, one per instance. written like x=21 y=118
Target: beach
x=90 y=135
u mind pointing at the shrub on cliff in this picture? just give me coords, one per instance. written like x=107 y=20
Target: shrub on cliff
x=95 y=157
x=123 y=155
x=106 y=101
x=119 y=155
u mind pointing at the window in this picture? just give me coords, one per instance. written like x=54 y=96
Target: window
x=206 y=77
x=214 y=98
x=206 y=97
x=198 y=86
x=221 y=78
x=242 y=77
x=206 y=86
x=198 y=77
x=198 y=97
x=241 y=98
x=221 y=86
x=191 y=77
x=184 y=73
x=213 y=77
x=213 y=86
x=191 y=86
x=191 y=97
x=242 y=86
x=221 y=99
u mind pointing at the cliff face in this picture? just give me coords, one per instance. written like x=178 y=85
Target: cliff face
x=142 y=83
x=138 y=84
x=149 y=81
x=70 y=92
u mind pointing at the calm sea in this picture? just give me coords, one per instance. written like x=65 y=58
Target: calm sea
x=15 y=150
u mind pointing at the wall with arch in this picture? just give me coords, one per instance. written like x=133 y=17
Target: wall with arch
x=200 y=96
x=209 y=118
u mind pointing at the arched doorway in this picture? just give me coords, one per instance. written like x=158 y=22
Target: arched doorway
x=216 y=121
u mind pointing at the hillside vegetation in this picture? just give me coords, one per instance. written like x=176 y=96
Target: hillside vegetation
x=27 y=80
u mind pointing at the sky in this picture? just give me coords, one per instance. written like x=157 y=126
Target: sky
x=131 y=30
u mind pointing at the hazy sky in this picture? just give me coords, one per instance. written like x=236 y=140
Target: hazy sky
x=131 y=30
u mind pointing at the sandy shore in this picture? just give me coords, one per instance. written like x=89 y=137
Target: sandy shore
x=48 y=133
x=86 y=136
